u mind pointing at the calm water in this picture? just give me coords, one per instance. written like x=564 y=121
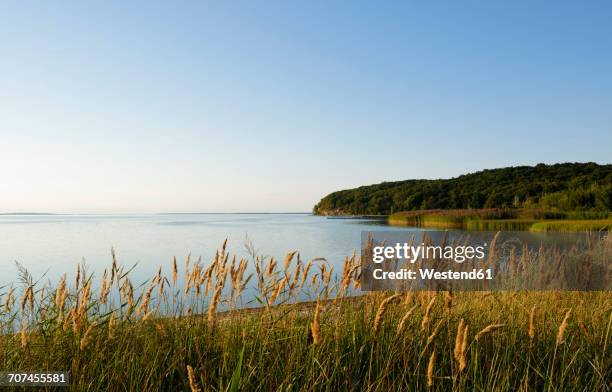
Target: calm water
x=54 y=244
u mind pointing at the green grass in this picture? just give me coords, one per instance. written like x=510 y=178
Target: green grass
x=151 y=342
x=447 y=218
x=573 y=225
x=504 y=219
x=582 y=215
x=441 y=221
x=500 y=224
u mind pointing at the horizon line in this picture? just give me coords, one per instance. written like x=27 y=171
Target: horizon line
x=153 y=213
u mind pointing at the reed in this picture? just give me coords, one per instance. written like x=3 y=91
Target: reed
x=87 y=337
x=381 y=312
x=430 y=368
x=496 y=219
x=193 y=385
x=563 y=328
x=404 y=320
x=532 y=322
x=463 y=350
x=458 y=340
x=427 y=316
x=573 y=225
x=315 y=326
x=487 y=330
x=212 y=308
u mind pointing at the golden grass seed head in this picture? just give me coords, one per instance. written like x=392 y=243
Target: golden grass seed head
x=488 y=329
x=404 y=320
x=381 y=311
x=193 y=385
x=430 y=368
x=563 y=328
x=532 y=322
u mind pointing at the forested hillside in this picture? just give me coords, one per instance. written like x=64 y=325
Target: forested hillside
x=563 y=187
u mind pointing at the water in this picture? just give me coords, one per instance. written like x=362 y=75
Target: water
x=49 y=245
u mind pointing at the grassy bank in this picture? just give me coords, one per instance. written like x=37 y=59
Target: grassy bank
x=168 y=334
x=573 y=225
x=504 y=219
x=500 y=224
x=448 y=218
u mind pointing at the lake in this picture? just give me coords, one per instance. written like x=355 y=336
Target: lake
x=50 y=245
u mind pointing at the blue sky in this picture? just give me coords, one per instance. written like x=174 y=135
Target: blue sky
x=268 y=106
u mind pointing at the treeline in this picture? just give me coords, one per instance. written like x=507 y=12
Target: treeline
x=560 y=187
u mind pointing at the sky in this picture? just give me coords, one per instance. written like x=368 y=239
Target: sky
x=138 y=107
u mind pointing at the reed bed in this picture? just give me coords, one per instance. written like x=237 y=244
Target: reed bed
x=448 y=218
x=500 y=224
x=306 y=328
x=573 y=225
x=494 y=219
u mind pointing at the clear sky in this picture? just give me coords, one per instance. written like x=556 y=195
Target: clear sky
x=268 y=106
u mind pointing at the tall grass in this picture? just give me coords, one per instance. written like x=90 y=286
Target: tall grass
x=500 y=224
x=448 y=218
x=573 y=225
x=170 y=334
x=495 y=219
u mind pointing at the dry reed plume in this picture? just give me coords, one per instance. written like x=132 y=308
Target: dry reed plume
x=404 y=320
x=193 y=385
x=430 y=368
x=381 y=311
x=315 y=327
x=461 y=345
x=488 y=329
x=532 y=322
x=427 y=316
x=562 y=328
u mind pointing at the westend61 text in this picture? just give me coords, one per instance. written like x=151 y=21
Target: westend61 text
x=432 y=274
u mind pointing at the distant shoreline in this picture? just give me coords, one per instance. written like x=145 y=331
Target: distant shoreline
x=232 y=213
x=149 y=213
x=377 y=217
x=29 y=213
